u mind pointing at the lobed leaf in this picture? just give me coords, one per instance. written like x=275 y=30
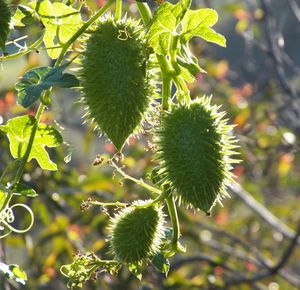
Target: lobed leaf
x=163 y=27
x=18 y=132
x=61 y=23
x=37 y=80
x=23 y=16
x=170 y=20
x=198 y=23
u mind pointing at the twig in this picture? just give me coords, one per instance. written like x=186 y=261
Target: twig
x=264 y=213
x=212 y=262
x=198 y=258
x=295 y=9
x=276 y=57
x=271 y=271
x=259 y=259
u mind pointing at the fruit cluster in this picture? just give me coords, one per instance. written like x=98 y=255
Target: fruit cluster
x=193 y=141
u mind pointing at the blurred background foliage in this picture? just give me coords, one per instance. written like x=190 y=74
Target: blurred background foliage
x=256 y=80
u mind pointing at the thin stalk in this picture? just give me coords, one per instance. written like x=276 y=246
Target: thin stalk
x=163 y=196
x=118 y=13
x=174 y=220
x=145 y=12
x=99 y=203
x=167 y=74
x=166 y=92
x=137 y=181
x=82 y=29
x=182 y=87
x=34 y=46
x=173 y=53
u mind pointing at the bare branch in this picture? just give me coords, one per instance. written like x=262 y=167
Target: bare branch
x=277 y=59
x=295 y=9
x=272 y=270
x=264 y=213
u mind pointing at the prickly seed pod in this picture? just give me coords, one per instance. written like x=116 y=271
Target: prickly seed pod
x=5 y=16
x=195 y=149
x=116 y=83
x=136 y=232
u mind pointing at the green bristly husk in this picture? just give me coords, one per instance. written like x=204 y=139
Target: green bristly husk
x=5 y=16
x=136 y=233
x=195 y=149
x=116 y=84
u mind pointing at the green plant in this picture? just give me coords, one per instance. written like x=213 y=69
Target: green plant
x=122 y=67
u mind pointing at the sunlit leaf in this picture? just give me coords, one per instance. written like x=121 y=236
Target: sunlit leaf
x=171 y=20
x=163 y=26
x=61 y=22
x=23 y=16
x=199 y=23
x=18 y=132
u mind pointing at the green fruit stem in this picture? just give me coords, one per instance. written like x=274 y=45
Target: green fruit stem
x=137 y=181
x=82 y=29
x=145 y=12
x=34 y=46
x=118 y=13
x=175 y=222
x=99 y=203
x=167 y=73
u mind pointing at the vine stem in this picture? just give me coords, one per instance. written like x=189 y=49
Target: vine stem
x=99 y=203
x=137 y=181
x=175 y=222
x=166 y=92
x=167 y=73
x=118 y=13
x=145 y=12
x=82 y=29
x=34 y=46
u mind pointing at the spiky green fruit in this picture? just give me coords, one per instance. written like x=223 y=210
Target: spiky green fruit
x=136 y=233
x=115 y=81
x=5 y=16
x=194 y=149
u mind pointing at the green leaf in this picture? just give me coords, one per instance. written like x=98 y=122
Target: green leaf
x=14 y=272
x=163 y=27
x=188 y=63
x=23 y=16
x=18 y=132
x=24 y=189
x=61 y=23
x=198 y=23
x=37 y=80
x=170 y=20
x=161 y=263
